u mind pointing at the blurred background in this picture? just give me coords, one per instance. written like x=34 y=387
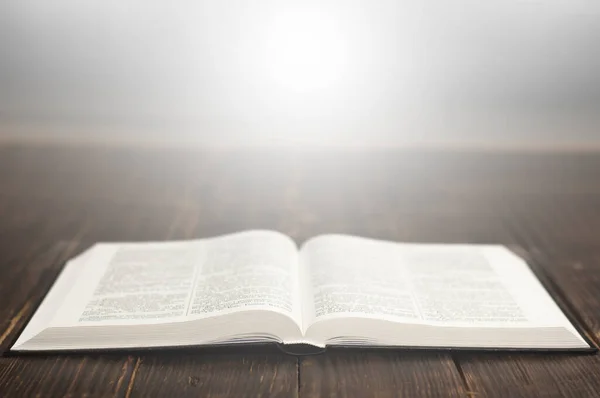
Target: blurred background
x=464 y=73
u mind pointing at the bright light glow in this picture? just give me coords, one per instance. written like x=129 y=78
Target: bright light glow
x=306 y=51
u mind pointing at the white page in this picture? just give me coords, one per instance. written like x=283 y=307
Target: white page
x=350 y=275
x=135 y=283
x=449 y=285
x=132 y=283
x=257 y=269
x=145 y=282
x=459 y=285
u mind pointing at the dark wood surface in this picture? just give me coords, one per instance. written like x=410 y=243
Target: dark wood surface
x=54 y=202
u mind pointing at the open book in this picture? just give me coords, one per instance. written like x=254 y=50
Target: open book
x=258 y=286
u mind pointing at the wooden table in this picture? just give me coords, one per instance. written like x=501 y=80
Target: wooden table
x=55 y=202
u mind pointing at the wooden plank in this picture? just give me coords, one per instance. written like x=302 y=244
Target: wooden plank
x=379 y=374
x=97 y=174
x=254 y=373
x=531 y=375
x=555 y=222
x=65 y=376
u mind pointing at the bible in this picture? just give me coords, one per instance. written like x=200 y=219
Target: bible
x=334 y=290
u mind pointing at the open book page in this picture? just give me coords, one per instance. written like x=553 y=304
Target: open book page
x=435 y=285
x=357 y=276
x=175 y=280
x=158 y=283
x=142 y=282
x=251 y=269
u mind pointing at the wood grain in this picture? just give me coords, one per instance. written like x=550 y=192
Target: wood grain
x=380 y=374
x=531 y=375
x=266 y=373
x=546 y=204
x=65 y=376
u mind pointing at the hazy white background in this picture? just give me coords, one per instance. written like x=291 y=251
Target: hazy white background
x=494 y=72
